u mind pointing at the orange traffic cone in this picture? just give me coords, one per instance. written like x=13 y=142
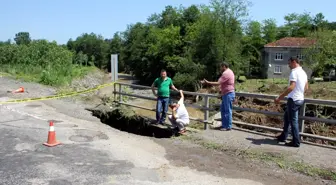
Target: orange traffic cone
x=19 y=90
x=51 y=136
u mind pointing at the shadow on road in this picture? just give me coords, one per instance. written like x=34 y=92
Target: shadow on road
x=265 y=141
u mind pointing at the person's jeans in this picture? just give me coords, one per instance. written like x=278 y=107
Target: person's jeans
x=291 y=118
x=226 y=110
x=161 y=107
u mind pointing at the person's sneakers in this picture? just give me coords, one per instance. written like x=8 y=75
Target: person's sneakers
x=159 y=123
x=155 y=122
x=225 y=129
x=162 y=123
x=280 y=139
x=291 y=144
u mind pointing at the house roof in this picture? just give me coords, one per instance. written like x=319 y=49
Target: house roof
x=296 y=42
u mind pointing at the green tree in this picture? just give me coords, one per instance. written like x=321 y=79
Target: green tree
x=269 y=30
x=217 y=36
x=297 y=25
x=8 y=42
x=331 y=25
x=134 y=50
x=92 y=45
x=319 y=22
x=170 y=16
x=81 y=59
x=115 y=47
x=188 y=42
x=253 y=43
x=322 y=54
x=22 y=38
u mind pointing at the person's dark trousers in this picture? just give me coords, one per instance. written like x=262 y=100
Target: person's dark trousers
x=291 y=118
x=161 y=107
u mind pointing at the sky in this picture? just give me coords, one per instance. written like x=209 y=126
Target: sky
x=63 y=19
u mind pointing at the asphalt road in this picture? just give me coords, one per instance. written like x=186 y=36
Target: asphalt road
x=91 y=153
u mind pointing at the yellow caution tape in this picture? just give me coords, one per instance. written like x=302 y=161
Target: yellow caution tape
x=59 y=95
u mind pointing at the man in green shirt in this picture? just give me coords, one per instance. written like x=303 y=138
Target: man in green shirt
x=163 y=84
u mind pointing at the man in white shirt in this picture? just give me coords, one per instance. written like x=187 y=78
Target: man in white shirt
x=180 y=117
x=298 y=84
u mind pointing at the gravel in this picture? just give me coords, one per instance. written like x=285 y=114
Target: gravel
x=34 y=90
x=70 y=106
x=89 y=81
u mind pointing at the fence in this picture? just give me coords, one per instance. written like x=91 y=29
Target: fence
x=206 y=108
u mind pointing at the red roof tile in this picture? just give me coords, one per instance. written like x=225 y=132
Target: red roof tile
x=291 y=42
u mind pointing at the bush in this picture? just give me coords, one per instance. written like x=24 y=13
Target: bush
x=241 y=79
x=185 y=81
x=40 y=61
x=312 y=81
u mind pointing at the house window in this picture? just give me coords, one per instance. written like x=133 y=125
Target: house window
x=300 y=56
x=277 y=69
x=278 y=56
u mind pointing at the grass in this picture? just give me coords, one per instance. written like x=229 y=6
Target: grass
x=296 y=166
x=279 y=160
x=196 y=125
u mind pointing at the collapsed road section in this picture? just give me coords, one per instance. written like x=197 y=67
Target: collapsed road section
x=125 y=119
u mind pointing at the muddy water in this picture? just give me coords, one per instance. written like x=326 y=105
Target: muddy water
x=193 y=112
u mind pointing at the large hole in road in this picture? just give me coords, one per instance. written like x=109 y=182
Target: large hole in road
x=125 y=119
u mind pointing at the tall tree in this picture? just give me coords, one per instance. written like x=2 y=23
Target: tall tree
x=254 y=32
x=134 y=50
x=331 y=25
x=115 y=47
x=303 y=25
x=319 y=22
x=322 y=55
x=269 y=30
x=253 y=42
x=189 y=16
x=217 y=35
x=92 y=45
x=298 y=25
x=290 y=22
x=170 y=16
x=22 y=38
x=8 y=42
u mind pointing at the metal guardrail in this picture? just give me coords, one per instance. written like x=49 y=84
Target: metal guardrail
x=206 y=108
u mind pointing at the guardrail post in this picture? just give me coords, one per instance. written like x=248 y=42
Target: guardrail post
x=114 y=92
x=206 y=112
x=120 y=96
x=301 y=121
